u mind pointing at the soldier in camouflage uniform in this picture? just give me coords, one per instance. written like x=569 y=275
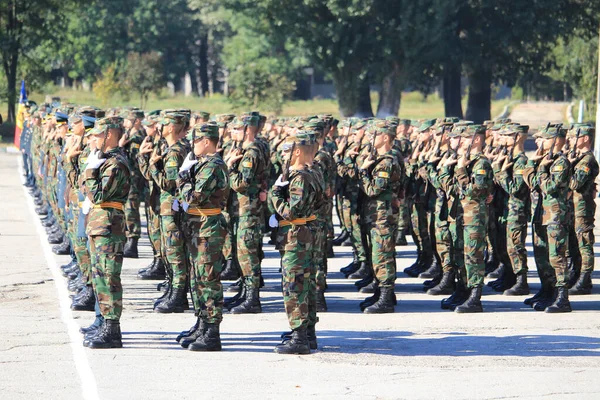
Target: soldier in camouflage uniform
x=549 y=172
x=130 y=143
x=293 y=199
x=248 y=170
x=405 y=148
x=473 y=178
x=163 y=168
x=204 y=184
x=106 y=180
x=380 y=174
x=508 y=171
x=583 y=193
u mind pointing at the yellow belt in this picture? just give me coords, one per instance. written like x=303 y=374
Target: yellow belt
x=203 y=212
x=110 y=204
x=297 y=221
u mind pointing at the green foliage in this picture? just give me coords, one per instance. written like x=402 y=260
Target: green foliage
x=107 y=85
x=144 y=75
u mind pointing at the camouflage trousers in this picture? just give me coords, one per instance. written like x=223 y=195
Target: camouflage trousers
x=205 y=238
x=79 y=244
x=132 y=207
x=248 y=244
x=516 y=234
x=420 y=228
x=319 y=257
x=492 y=231
x=474 y=239
x=585 y=239
x=228 y=244
x=457 y=237
x=153 y=225
x=107 y=256
x=383 y=253
x=404 y=217
x=296 y=271
x=352 y=223
x=173 y=245
x=549 y=249
x=443 y=244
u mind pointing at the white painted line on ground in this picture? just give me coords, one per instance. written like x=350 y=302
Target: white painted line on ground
x=88 y=381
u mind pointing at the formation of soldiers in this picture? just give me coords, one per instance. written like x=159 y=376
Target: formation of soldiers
x=212 y=189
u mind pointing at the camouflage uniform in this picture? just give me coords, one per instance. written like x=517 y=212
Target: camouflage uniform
x=138 y=183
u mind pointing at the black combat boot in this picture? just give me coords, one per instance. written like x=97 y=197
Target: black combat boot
x=55 y=238
x=562 y=303
x=520 y=288
x=76 y=284
x=321 y=302
x=446 y=285
x=94 y=327
x=491 y=264
x=194 y=333
x=351 y=268
x=209 y=341
x=545 y=291
x=251 y=303
x=62 y=248
x=48 y=222
x=235 y=286
x=583 y=285
x=175 y=303
x=341 y=238
x=85 y=300
x=68 y=268
x=364 y=271
x=41 y=210
x=231 y=271
x=505 y=281
x=237 y=299
x=410 y=270
x=371 y=287
x=108 y=337
x=546 y=301
x=155 y=271
x=498 y=272
x=459 y=296
x=472 y=304
x=330 y=252
x=431 y=272
x=385 y=303
x=401 y=238
x=431 y=283
x=131 y=248
x=296 y=344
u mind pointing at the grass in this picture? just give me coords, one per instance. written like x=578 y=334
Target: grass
x=413 y=104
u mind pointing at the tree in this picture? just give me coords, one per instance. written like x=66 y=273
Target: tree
x=108 y=84
x=24 y=24
x=144 y=75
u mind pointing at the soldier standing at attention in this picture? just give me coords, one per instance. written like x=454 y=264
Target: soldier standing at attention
x=549 y=171
x=106 y=178
x=204 y=184
x=583 y=189
x=474 y=181
x=293 y=200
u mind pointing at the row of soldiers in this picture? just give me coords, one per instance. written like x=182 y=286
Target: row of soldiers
x=449 y=183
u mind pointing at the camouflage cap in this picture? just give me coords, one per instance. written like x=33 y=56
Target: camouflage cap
x=174 y=118
x=427 y=124
x=584 y=130
x=153 y=112
x=105 y=123
x=511 y=129
x=202 y=115
x=151 y=120
x=554 y=131
x=222 y=119
x=135 y=114
x=473 y=130
x=249 y=119
x=207 y=130
x=393 y=119
x=302 y=138
x=315 y=124
x=384 y=127
x=502 y=121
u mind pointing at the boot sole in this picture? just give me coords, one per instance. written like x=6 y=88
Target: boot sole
x=190 y=348
x=106 y=346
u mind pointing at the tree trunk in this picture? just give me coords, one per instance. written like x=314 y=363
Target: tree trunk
x=353 y=95
x=390 y=94
x=203 y=58
x=452 y=92
x=10 y=69
x=479 y=103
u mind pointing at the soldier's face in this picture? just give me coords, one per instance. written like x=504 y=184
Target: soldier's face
x=237 y=133
x=150 y=130
x=454 y=142
x=127 y=123
x=78 y=128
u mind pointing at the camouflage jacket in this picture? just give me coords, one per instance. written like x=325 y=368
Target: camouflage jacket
x=512 y=182
x=434 y=175
x=206 y=185
x=583 y=186
x=109 y=183
x=297 y=200
x=474 y=183
x=319 y=186
x=380 y=185
x=132 y=149
x=552 y=181
x=164 y=173
x=326 y=164
x=248 y=178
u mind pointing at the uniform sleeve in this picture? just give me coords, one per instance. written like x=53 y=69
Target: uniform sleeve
x=582 y=175
x=479 y=183
x=290 y=209
x=103 y=183
x=206 y=183
x=166 y=178
x=551 y=178
x=376 y=182
x=242 y=176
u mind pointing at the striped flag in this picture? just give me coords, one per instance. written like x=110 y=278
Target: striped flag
x=20 y=115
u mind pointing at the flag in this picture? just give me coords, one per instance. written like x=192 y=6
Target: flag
x=20 y=115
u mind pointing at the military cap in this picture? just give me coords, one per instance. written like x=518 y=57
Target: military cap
x=207 y=130
x=359 y=123
x=584 y=130
x=114 y=122
x=153 y=112
x=222 y=119
x=335 y=122
x=249 y=119
x=302 y=138
x=61 y=118
x=174 y=118
x=135 y=114
x=488 y=123
x=151 y=120
x=315 y=124
x=384 y=127
x=511 y=129
x=554 y=131
x=404 y=121
x=88 y=122
x=502 y=121
x=202 y=115
x=427 y=124
x=393 y=119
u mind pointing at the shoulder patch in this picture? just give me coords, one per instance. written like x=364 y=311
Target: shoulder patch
x=519 y=171
x=585 y=169
x=558 y=168
x=172 y=163
x=383 y=174
x=247 y=164
x=481 y=172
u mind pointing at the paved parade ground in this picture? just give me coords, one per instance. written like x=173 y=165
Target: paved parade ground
x=419 y=352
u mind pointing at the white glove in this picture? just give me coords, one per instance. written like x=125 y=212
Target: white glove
x=280 y=182
x=188 y=163
x=86 y=206
x=185 y=206
x=273 y=223
x=175 y=206
x=93 y=162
